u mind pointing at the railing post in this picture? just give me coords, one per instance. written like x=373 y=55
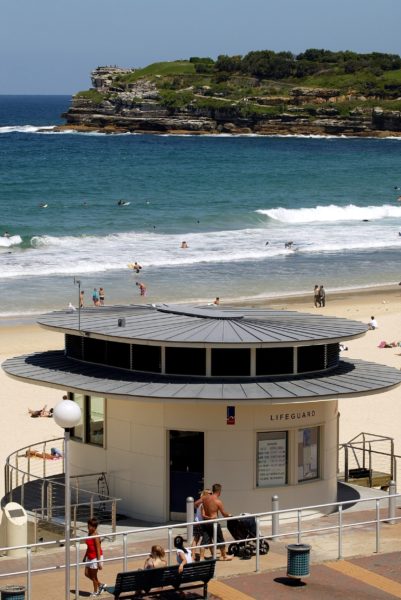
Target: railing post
x=340 y=532
x=170 y=544
x=392 y=489
x=215 y=540
x=49 y=501
x=299 y=526
x=22 y=489
x=275 y=516
x=377 y=526
x=190 y=518
x=113 y=516
x=29 y=574
x=257 y=567
x=17 y=468
x=125 y=559
x=75 y=508
x=42 y=498
x=91 y=507
x=346 y=462
x=35 y=527
x=76 y=570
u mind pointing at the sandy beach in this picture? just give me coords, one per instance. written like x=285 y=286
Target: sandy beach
x=379 y=414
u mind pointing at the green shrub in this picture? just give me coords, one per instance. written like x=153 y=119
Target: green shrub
x=92 y=95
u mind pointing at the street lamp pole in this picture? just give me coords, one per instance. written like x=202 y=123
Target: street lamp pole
x=67 y=415
x=78 y=283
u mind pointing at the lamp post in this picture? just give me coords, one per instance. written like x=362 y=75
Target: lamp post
x=67 y=415
x=78 y=283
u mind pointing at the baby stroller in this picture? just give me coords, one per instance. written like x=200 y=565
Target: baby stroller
x=242 y=529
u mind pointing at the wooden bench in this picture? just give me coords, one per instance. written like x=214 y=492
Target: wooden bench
x=194 y=575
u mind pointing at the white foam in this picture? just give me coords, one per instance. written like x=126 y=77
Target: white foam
x=25 y=128
x=332 y=213
x=7 y=242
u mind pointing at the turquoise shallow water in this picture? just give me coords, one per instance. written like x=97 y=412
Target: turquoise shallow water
x=226 y=196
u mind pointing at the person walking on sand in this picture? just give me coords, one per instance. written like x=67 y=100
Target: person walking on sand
x=101 y=296
x=322 y=296
x=142 y=288
x=93 y=558
x=316 y=296
x=81 y=299
x=212 y=506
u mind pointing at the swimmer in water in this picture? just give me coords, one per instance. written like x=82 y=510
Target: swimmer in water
x=184 y=245
x=6 y=234
x=288 y=245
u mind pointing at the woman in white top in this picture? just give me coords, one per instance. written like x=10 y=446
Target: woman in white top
x=184 y=555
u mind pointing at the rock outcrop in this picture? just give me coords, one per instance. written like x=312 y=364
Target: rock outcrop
x=118 y=103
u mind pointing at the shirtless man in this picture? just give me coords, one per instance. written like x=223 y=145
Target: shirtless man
x=212 y=506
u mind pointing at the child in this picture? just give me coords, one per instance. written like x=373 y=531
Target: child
x=93 y=558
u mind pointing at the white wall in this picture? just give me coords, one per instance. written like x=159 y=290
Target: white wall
x=136 y=458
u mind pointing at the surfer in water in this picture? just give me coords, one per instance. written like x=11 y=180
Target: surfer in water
x=289 y=245
x=6 y=234
x=43 y=205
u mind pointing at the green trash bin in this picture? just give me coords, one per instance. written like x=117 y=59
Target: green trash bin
x=298 y=560
x=12 y=592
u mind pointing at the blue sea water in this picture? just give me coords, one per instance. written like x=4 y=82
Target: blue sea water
x=235 y=200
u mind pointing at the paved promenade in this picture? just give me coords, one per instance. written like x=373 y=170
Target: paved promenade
x=362 y=574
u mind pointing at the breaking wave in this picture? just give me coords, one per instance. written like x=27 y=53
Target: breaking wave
x=332 y=213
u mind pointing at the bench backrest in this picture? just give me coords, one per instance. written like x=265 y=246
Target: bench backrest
x=129 y=581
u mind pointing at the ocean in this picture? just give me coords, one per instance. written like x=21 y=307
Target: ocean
x=234 y=200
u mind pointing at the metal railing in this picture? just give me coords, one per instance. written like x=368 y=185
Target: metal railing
x=40 y=489
x=370 y=454
x=262 y=520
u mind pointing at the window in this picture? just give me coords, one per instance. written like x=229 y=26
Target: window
x=95 y=350
x=274 y=361
x=231 y=362
x=311 y=358
x=308 y=453
x=78 y=431
x=186 y=361
x=118 y=355
x=146 y=358
x=271 y=457
x=73 y=345
x=95 y=420
x=91 y=427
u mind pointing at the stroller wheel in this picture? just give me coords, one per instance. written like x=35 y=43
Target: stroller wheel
x=263 y=547
x=246 y=552
x=233 y=549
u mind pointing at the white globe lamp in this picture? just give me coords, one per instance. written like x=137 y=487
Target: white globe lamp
x=67 y=414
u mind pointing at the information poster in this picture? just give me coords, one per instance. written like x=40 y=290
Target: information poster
x=272 y=459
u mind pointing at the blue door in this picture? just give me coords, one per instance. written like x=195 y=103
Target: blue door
x=186 y=467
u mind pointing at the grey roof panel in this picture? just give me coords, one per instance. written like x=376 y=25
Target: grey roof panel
x=205 y=325
x=351 y=377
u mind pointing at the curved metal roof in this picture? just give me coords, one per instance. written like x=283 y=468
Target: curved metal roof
x=53 y=368
x=183 y=324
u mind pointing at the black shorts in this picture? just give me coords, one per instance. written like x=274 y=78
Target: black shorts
x=207 y=534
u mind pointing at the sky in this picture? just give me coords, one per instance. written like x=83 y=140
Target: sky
x=51 y=46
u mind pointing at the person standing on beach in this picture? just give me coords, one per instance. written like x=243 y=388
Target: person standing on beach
x=322 y=296
x=316 y=296
x=81 y=299
x=95 y=297
x=101 y=296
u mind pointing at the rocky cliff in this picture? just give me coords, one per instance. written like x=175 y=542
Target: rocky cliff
x=121 y=102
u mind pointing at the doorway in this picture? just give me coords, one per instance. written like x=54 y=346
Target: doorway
x=186 y=452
